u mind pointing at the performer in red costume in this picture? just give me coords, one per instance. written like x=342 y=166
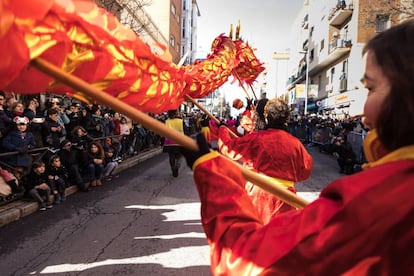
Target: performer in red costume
x=361 y=224
x=248 y=118
x=272 y=152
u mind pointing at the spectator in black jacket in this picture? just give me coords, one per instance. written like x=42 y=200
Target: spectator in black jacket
x=58 y=177
x=56 y=131
x=80 y=140
x=37 y=186
x=5 y=121
x=346 y=157
x=77 y=174
x=93 y=122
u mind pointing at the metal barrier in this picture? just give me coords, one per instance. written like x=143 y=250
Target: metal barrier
x=299 y=132
x=321 y=136
x=356 y=140
x=39 y=153
x=315 y=135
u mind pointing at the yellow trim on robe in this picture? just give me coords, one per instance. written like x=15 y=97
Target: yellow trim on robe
x=374 y=151
x=205 y=157
x=214 y=154
x=404 y=153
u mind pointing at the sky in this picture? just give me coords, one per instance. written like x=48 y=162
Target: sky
x=265 y=25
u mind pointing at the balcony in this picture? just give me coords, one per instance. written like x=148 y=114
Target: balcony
x=337 y=49
x=340 y=14
x=339 y=44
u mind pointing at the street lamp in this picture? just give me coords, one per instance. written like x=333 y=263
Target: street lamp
x=307 y=80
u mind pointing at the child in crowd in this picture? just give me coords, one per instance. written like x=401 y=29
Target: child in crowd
x=110 y=165
x=37 y=186
x=96 y=162
x=20 y=140
x=58 y=176
x=125 y=131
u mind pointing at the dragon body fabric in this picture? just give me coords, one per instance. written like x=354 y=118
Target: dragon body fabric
x=90 y=43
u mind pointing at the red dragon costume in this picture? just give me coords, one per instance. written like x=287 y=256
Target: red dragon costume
x=272 y=152
x=331 y=236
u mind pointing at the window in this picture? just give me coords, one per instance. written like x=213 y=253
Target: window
x=172 y=41
x=173 y=9
x=332 y=73
x=345 y=66
x=319 y=82
x=343 y=82
x=382 y=22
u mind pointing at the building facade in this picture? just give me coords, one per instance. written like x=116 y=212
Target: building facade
x=326 y=65
x=190 y=13
x=171 y=23
x=131 y=14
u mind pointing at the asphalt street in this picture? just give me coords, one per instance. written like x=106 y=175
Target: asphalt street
x=144 y=223
x=325 y=170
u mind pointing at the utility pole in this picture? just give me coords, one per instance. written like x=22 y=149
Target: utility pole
x=307 y=79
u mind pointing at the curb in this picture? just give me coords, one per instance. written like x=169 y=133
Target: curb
x=20 y=208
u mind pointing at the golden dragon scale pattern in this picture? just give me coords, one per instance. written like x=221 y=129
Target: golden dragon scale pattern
x=90 y=43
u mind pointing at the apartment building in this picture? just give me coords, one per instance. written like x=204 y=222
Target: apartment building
x=326 y=56
x=190 y=14
x=131 y=14
x=172 y=23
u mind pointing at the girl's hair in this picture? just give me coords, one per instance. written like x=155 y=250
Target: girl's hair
x=172 y=113
x=393 y=51
x=74 y=131
x=37 y=164
x=101 y=151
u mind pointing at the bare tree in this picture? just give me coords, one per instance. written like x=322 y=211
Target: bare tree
x=393 y=11
x=127 y=11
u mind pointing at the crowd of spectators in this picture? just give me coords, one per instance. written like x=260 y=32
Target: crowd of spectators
x=86 y=142
x=49 y=143
x=331 y=135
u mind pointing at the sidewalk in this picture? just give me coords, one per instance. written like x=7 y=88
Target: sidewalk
x=21 y=208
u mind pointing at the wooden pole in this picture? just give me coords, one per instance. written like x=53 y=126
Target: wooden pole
x=209 y=114
x=159 y=127
x=241 y=84
x=114 y=103
x=254 y=94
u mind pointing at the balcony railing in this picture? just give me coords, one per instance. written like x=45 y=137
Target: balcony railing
x=340 y=13
x=339 y=43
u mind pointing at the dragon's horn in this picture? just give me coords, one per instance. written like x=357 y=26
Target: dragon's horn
x=238 y=31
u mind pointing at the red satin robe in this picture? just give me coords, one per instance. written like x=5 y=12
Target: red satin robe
x=271 y=152
x=362 y=224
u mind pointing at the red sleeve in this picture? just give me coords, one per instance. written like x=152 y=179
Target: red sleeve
x=330 y=236
x=213 y=132
x=237 y=148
